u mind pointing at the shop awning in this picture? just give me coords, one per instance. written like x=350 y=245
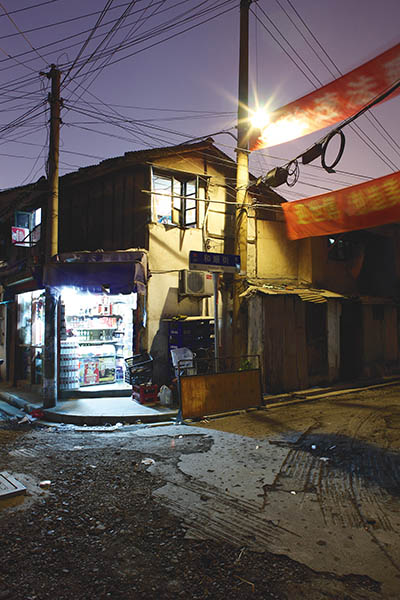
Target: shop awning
x=120 y=272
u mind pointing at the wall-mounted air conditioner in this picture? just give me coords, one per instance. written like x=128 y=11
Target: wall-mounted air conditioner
x=195 y=283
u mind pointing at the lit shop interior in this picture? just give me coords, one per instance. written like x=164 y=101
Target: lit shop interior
x=96 y=334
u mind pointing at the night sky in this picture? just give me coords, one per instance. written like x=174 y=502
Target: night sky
x=151 y=83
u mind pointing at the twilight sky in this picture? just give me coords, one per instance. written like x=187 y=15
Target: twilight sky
x=139 y=80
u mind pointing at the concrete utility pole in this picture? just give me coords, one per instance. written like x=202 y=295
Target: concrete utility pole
x=242 y=180
x=54 y=153
x=50 y=354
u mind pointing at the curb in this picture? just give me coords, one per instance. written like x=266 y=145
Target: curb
x=297 y=398
x=17 y=401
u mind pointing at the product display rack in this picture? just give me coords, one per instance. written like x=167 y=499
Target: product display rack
x=99 y=347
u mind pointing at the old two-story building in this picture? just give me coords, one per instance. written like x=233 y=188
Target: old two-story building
x=120 y=277
x=322 y=309
x=318 y=310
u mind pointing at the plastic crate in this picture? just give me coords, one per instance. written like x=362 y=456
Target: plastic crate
x=139 y=369
x=145 y=393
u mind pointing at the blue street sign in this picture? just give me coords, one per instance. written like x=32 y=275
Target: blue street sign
x=213 y=261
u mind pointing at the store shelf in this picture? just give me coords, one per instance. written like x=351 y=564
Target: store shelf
x=98 y=342
x=96 y=328
x=93 y=316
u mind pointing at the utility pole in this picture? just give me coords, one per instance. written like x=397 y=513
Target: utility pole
x=50 y=352
x=54 y=152
x=242 y=180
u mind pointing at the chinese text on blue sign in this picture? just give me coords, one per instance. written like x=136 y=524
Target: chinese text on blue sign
x=213 y=261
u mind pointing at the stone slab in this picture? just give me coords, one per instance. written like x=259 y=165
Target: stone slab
x=9 y=486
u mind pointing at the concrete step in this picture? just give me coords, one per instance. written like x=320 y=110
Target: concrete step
x=8 y=410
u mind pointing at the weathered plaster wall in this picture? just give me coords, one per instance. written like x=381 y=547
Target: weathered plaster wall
x=169 y=248
x=330 y=274
x=277 y=256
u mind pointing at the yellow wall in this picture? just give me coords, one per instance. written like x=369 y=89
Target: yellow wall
x=169 y=248
x=304 y=261
x=277 y=256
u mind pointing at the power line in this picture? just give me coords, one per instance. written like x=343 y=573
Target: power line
x=366 y=139
x=83 y=32
x=172 y=36
x=13 y=12
x=85 y=44
x=19 y=31
x=374 y=121
x=371 y=118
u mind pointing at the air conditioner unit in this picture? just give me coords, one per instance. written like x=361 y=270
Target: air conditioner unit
x=195 y=283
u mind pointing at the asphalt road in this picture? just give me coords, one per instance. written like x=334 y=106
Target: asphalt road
x=291 y=502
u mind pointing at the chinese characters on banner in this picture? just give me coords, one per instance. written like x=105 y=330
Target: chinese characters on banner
x=360 y=206
x=332 y=103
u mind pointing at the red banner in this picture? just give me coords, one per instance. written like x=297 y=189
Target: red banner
x=369 y=204
x=332 y=103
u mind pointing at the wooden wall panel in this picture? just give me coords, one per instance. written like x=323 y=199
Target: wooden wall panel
x=285 y=355
x=391 y=347
x=109 y=212
x=221 y=392
x=129 y=212
x=301 y=344
x=118 y=207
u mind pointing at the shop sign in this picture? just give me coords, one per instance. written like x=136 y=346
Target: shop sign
x=20 y=236
x=368 y=204
x=331 y=103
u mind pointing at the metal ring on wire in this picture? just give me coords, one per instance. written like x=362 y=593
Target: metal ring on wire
x=293 y=170
x=330 y=168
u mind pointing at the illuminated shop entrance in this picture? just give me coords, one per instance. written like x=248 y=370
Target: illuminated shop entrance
x=30 y=337
x=97 y=333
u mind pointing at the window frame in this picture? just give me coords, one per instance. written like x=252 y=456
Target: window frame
x=34 y=217
x=182 y=203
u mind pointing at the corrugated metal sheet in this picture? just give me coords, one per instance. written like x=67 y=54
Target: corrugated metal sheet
x=305 y=294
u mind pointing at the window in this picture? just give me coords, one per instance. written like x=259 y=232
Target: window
x=26 y=231
x=175 y=199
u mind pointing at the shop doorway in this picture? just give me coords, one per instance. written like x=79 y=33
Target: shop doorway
x=97 y=333
x=30 y=337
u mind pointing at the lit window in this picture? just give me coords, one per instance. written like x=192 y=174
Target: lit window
x=26 y=230
x=175 y=199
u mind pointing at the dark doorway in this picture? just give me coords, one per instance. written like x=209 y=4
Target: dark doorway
x=350 y=340
x=317 y=341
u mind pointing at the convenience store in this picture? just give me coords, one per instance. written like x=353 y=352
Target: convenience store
x=100 y=321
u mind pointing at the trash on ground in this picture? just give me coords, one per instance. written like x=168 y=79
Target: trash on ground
x=242 y=550
x=148 y=461
x=45 y=484
x=253 y=587
x=37 y=413
x=26 y=419
x=165 y=396
x=324 y=458
x=313 y=447
x=332 y=447
x=9 y=486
